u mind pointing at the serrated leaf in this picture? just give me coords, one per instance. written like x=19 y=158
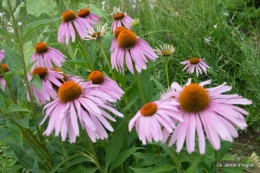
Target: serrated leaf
x=13 y=59
x=37 y=82
x=34 y=25
x=16 y=108
x=37 y=7
x=113 y=149
x=194 y=165
x=123 y=156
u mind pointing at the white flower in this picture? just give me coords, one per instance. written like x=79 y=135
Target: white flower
x=207 y=39
x=19 y=23
x=215 y=26
x=94 y=35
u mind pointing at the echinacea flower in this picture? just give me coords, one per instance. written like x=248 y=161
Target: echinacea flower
x=106 y=85
x=121 y=19
x=206 y=110
x=165 y=50
x=72 y=24
x=153 y=117
x=195 y=64
x=86 y=14
x=78 y=100
x=95 y=35
x=2 y=55
x=2 y=80
x=49 y=79
x=131 y=48
x=45 y=56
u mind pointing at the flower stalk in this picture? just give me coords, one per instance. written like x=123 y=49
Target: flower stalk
x=138 y=78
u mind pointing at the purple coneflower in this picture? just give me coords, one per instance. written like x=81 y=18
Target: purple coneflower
x=206 y=110
x=2 y=55
x=153 y=117
x=121 y=19
x=131 y=48
x=106 y=84
x=45 y=56
x=197 y=64
x=86 y=14
x=70 y=23
x=2 y=80
x=79 y=101
x=50 y=79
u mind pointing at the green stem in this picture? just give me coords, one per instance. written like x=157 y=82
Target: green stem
x=175 y=160
x=195 y=77
x=20 y=43
x=167 y=71
x=106 y=59
x=94 y=154
x=216 y=161
x=137 y=76
x=82 y=48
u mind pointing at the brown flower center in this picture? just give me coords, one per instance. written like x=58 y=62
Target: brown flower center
x=83 y=12
x=148 y=109
x=119 y=16
x=118 y=30
x=41 y=71
x=194 y=60
x=5 y=68
x=41 y=47
x=68 y=16
x=126 y=39
x=97 y=77
x=96 y=34
x=194 y=98
x=69 y=91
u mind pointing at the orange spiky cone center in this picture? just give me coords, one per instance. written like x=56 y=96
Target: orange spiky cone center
x=5 y=68
x=97 y=77
x=41 y=47
x=83 y=12
x=126 y=39
x=68 y=16
x=194 y=98
x=119 y=16
x=41 y=71
x=194 y=60
x=118 y=30
x=69 y=91
x=148 y=109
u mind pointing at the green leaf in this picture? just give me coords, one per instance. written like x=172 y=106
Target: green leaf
x=17 y=11
x=158 y=84
x=37 y=7
x=5 y=134
x=76 y=161
x=156 y=159
x=81 y=168
x=4 y=4
x=13 y=59
x=80 y=62
x=194 y=165
x=34 y=25
x=122 y=157
x=24 y=122
x=35 y=168
x=113 y=149
x=2 y=102
x=223 y=150
x=6 y=34
x=28 y=50
x=16 y=108
x=146 y=85
x=36 y=81
x=154 y=169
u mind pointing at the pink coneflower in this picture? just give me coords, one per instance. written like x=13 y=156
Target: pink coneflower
x=79 y=101
x=106 y=84
x=206 y=109
x=121 y=19
x=197 y=64
x=45 y=56
x=70 y=23
x=50 y=79
x=2 y=80
x=86 y=14
x=132 y=49
x=153 y=117
x=2 y=55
